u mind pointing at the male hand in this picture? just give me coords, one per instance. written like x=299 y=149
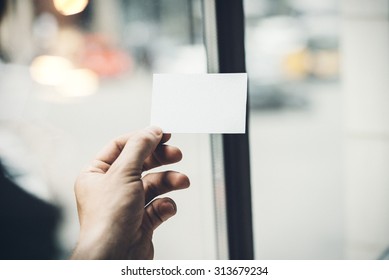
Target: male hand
x=116 y=206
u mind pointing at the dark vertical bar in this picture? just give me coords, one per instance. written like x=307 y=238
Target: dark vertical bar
x=191 y=23
x=230 y=35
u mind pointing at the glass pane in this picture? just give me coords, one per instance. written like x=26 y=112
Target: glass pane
x=75 y=76
x=318 y=131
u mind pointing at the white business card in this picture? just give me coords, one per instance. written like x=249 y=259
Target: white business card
x=199 y=103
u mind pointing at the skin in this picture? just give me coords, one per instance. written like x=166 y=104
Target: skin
x=117 y=208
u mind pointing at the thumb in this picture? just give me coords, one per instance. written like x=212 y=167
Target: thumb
x=137 y=148
x=159 y=211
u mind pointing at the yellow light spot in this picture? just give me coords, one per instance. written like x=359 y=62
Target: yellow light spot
x=70 y=7
x=59 y=72
x=296 y=64
x=49 y=70
x=79 y=82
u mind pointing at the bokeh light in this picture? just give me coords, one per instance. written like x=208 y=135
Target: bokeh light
x=59 y=72
x=49 y=70
x=79 y=82
x=70 y=7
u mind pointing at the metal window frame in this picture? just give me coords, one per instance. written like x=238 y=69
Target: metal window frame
x=224 y=40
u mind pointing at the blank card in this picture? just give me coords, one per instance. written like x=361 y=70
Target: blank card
x=199 y=103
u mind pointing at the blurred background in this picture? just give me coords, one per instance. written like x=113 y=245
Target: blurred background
x=76 y=73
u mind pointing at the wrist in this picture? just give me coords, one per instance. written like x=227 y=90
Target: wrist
x=99 y=245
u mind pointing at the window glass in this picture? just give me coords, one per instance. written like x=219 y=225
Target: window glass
x=76 y=75
x=318 y=150
x=292 y=59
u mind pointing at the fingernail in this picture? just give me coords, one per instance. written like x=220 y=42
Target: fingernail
x=155 y=129
x=171 y=206
x=187 y=183
x=167 y=209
